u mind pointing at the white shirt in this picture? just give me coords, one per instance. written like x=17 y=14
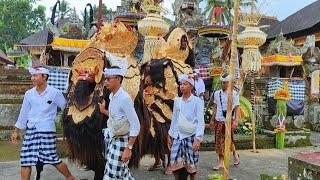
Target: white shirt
x=199 y=86
x=193 y=111
x=224 y=98
x=121 y=105
x=40 y=110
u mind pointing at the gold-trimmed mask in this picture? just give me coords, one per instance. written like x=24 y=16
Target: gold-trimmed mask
x=88 y=65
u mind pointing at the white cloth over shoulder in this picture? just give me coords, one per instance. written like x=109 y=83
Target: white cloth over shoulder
x=193 y=111
x=121 y=105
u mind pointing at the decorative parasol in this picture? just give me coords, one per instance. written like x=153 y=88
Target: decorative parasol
x=214 y=31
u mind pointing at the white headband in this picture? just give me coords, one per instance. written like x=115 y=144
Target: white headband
x=114 y=72
x=184 y=77
x=39 y=70
x=225 y=79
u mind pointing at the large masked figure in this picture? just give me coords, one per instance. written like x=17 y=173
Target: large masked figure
x=82 y=120
x=160 y=88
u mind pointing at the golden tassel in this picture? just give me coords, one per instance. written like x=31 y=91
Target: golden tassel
x=251 y=59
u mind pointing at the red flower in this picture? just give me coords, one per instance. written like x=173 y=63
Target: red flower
x=217 y=10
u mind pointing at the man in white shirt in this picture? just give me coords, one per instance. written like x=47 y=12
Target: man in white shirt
x=219 y=118
x=199 y=84
x=186 y=131
x=121 y=114
x=37 y=116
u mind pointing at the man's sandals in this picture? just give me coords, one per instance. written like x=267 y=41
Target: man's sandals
x=217 y=168
x=237 y=163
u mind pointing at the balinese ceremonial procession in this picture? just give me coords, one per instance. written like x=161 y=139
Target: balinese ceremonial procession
x=160 y=89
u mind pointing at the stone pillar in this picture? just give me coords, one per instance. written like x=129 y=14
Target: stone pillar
x=65 y=59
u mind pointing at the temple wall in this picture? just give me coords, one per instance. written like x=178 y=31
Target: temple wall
x=314 y=116
x=13 y=84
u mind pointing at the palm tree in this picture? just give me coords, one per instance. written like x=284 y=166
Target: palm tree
x=226 y=6
x=61 y=9
x=64 y=8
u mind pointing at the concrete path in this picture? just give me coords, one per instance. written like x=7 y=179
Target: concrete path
x=271 y=161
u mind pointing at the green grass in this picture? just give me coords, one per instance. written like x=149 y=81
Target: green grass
x=11 y=152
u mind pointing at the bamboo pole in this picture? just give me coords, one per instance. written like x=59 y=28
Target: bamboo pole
x=230 y=90
x=253 y=118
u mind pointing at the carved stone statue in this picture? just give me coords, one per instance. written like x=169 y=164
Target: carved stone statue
x=188 y=14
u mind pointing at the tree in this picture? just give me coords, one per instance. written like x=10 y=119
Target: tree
x=226 y=6
x=61 y=9
x=105 y=12
x=64 y=8
x=18 y=20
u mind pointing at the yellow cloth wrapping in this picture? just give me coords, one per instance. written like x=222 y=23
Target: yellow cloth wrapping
x=281 y=60
x=76 y=43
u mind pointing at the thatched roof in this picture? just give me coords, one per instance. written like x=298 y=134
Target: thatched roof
x=39 y=38
x=16 y=53
x=4 y=59
x=268 y=20
x=303 y=22
x=45 y=36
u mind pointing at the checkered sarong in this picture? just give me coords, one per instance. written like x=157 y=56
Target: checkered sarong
x=115 y=168
x=182 y=155
x=296 y=88
x=59 y=78
x=39 y=146
x=204 y=71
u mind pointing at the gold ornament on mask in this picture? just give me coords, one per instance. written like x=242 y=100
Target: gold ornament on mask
x=89 y=61
x=116 y=38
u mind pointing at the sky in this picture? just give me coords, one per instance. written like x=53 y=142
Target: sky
x=279 y=8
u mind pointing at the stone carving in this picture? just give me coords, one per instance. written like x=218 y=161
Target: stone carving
x=188 y=14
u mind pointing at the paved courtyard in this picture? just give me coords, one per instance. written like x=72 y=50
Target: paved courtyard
x=272 y=161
